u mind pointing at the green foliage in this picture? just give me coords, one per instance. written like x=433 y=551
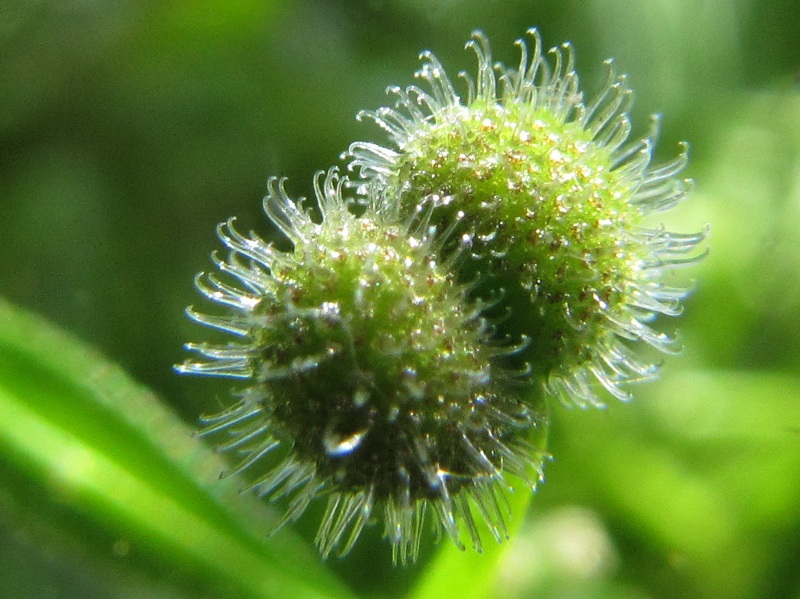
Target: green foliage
x=130 y=129
x=101 y=461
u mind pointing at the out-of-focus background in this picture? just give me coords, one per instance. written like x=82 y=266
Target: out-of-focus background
x=128 y=130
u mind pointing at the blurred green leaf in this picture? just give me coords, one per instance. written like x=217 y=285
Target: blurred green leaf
x=85 y=444
x=700 y=478
x=748 y=292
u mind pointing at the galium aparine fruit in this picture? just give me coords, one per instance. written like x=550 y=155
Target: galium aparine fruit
x=367 y=372
x=553 y=194
x=397 y=360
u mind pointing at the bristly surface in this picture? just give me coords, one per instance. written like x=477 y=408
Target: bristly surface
x=551 y=194
x=369 y=376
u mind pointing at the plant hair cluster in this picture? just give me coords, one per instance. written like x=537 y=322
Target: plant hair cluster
x=491 y=255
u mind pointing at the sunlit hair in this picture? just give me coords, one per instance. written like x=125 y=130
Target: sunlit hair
x=369 y=378
x=552 y=194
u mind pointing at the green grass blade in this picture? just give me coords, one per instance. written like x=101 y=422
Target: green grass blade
x=80 y=441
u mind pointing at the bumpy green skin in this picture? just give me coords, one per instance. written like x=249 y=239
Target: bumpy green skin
x=367 y=336
x=548 y=217
x=367 y=350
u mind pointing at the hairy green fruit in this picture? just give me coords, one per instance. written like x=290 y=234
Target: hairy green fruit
x=397 y=359
x=372 y=371
x=552 y=199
